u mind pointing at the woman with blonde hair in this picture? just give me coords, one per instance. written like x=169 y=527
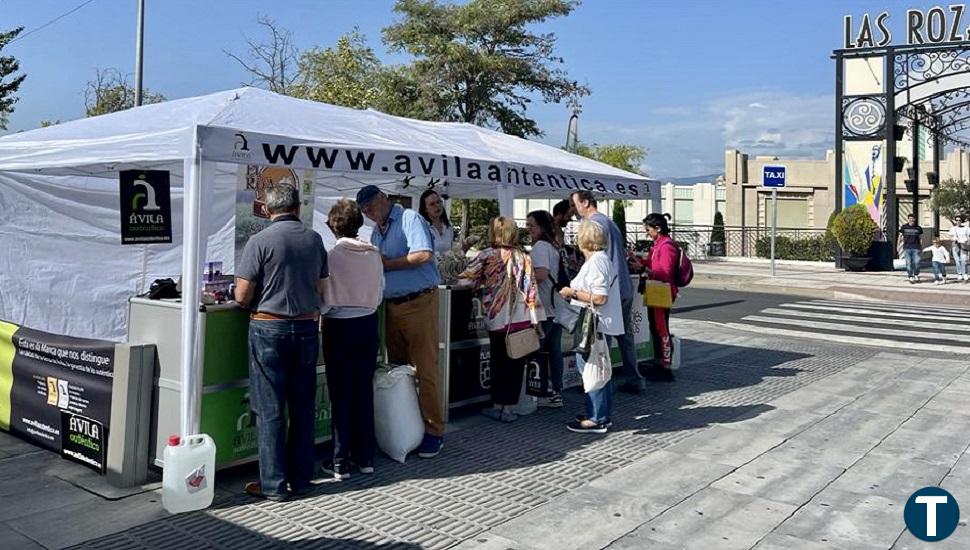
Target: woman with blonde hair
x=596 y=286
x=510 y=300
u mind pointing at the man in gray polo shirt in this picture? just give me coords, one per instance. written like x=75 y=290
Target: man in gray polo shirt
x=279 y=279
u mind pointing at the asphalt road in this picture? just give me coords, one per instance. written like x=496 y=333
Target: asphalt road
x=723 y=306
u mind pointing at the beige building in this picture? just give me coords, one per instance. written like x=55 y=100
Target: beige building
x=809 y=197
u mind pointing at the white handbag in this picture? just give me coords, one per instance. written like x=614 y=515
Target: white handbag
x=598 y=369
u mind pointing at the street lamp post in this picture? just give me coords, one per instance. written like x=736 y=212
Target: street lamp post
x=139 y=41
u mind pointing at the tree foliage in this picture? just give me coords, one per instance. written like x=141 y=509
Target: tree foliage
x=623 y=156
x=351 y=75
x=479 y=63
x=8 y=66
x=110 y=92
x=952 y=197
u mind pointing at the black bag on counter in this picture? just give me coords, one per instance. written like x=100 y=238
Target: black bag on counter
x=163 y=289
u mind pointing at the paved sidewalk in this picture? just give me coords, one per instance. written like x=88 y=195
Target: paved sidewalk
x=820 y=280
x=829 y=465
x=761 y=440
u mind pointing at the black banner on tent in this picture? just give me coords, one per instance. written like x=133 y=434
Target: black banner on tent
x=146 y=207
x=59 y=392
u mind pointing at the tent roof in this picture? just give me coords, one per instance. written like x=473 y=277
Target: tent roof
x=163 y=132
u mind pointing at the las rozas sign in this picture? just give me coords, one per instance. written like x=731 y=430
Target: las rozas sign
x=933 y=26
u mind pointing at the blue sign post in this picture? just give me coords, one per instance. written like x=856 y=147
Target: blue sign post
x=773 y=177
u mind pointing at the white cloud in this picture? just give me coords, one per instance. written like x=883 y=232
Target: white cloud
x=689 y=140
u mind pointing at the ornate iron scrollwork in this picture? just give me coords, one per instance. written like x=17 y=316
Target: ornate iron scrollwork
x=863 y=116
x=913 y=69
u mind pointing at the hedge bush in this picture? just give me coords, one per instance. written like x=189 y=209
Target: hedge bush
x=812 y=249
x=854 y=230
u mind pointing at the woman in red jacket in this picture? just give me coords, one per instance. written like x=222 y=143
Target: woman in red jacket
x=661 y=265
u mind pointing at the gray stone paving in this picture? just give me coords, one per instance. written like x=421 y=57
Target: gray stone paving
x=491 y=474
x=727 y=457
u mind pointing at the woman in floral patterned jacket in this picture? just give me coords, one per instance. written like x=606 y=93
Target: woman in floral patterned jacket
x=510 y=299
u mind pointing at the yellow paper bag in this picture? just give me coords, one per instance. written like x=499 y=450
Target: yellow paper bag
x=657 y=294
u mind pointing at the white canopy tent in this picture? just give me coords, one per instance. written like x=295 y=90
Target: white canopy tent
x=63 y=268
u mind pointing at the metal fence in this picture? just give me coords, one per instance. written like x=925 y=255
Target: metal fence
x=705 y=240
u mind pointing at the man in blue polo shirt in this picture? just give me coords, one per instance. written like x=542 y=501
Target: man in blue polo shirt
x=411 y=296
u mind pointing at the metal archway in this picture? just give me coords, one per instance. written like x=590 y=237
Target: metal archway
x=926 y=88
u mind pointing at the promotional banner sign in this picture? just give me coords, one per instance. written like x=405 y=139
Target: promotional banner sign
x=55 y=391
x=228 y=145
x=146 y=207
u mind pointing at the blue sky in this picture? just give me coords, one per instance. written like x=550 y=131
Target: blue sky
x=685 y=79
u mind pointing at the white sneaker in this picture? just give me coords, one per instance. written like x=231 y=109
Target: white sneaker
x=938 y=282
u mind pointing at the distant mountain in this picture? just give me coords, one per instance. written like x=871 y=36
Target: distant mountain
x=690 y=180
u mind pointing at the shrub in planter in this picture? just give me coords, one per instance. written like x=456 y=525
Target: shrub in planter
x=854 y=230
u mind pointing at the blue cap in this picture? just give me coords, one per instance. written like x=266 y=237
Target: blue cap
x=367 y=194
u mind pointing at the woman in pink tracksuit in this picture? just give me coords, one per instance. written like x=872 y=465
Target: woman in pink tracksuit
x=661 y=265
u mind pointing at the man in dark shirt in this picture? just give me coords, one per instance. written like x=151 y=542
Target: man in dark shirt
x=279 y=279
x=911 y=237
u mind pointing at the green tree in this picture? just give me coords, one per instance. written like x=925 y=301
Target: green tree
x=345 y=74
x=351 y=75
x=8 y=66
x=952 y=197
x=110 y=92
x=478 y=62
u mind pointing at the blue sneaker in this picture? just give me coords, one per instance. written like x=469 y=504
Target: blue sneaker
x=431 y=446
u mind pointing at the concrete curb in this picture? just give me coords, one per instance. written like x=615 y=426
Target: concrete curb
x=742 y=283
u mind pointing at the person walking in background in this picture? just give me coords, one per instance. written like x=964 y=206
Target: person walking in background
x=351 y=293
x=279 y=278
x=411 y=282
x=911 y=235
x=596 y=286
x=511 y=303
x=960 y=244
x=546 y=262
x=432 y=209
x=940 y=258
x=585 y=205
x=661 y=265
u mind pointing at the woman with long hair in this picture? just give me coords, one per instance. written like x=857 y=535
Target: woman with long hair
x=510 y=299
x=661 y=265
x=546 y=263
x=432 y=209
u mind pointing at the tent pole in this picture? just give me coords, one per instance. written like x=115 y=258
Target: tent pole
x=191 y=277
x=506 y=200
x=655 y=190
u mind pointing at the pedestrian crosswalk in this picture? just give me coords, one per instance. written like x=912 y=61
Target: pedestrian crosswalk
x=944 y=329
